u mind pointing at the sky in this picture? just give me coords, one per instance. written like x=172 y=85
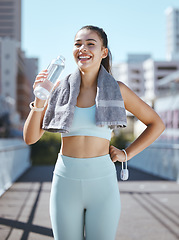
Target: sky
x=132 y=26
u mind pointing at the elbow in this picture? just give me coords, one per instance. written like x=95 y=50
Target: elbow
x=158 y=126
x=28 y=140
x=162 y=126
x=29 y=137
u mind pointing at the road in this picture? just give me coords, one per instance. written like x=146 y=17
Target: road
x=150 y=207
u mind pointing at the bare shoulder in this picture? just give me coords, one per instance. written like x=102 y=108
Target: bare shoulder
x=122 y=86
x=126 y=92
x=134 y=104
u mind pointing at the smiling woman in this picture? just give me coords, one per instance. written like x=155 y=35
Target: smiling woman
x=85 y=107
x=88 y=49
x=107 y=58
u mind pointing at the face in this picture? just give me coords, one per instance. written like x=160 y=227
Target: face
x=88 y=50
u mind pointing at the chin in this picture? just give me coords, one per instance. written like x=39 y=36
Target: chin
x=84 y=66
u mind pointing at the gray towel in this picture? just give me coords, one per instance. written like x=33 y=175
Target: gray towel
x=110 y=108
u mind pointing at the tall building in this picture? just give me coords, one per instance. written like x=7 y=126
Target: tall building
x=16 y=71
x=167 y=105
x=15 y=88
x=131 y=72
x=31 y=71
x=172 y=18
x=10 y=19
x=154 y=72
x=8 y=63
x=144 y=77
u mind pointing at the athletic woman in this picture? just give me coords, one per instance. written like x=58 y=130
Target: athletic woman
x=85 y=199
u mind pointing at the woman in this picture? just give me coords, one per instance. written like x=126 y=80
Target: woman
x=84 y=196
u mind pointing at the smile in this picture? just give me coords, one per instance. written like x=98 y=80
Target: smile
x=84 y=57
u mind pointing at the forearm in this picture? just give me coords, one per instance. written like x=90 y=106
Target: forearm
x=148 y=136
x=32 y=131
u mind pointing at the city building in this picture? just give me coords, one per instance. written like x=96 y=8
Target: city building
x=131 y=72
x=8 y=74
x=144 y=78
x=15 y=87
x=10 y=19
x=17 y=72
x=23 y=88
x=167 y=105
x=31 y=71
x=154 y=72
x=172 y=31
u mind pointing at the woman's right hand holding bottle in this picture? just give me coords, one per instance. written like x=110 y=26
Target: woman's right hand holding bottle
x=41 y=77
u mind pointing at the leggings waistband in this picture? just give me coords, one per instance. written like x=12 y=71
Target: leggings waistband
x=84 y=168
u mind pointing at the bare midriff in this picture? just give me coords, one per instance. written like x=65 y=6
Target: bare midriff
x=84 y=146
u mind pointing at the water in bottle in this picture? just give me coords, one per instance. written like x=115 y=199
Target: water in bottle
x=43 y=90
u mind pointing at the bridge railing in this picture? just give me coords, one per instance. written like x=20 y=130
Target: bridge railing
x=160 y=159
x=14 y=161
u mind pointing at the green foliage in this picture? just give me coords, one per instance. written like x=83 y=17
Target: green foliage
x=45 y=151
x=120 y=141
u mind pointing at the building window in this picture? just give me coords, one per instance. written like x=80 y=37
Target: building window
x=160 y=77
x=6 y=4
x=135 y=80
x=135 y=71
x=6 y=17
x=167 y=68
x=6 y=24
x=6 y=10
x=136 y=90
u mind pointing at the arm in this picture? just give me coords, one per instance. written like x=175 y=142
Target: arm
x=145 y=114
x=32 y=130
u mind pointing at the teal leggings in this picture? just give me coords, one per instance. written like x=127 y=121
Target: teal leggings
x=85 y=199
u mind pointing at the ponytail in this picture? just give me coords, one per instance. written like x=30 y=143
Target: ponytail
x=107 y=62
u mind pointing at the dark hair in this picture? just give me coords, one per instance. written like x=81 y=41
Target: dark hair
x=106 y=62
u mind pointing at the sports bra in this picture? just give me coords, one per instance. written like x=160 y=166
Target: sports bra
x=84 y=124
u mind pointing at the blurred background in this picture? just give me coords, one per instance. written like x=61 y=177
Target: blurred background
x=144 y=41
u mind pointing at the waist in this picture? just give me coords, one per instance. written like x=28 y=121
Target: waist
x=84 y=146
x=85 y=168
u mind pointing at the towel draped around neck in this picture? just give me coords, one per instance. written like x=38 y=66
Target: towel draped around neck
x=110 y=108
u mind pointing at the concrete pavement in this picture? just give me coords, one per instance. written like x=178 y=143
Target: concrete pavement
x=150 y=207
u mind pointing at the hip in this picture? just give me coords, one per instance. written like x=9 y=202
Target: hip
x=85 y=168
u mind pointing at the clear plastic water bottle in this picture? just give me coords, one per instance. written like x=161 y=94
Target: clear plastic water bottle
x=43 y=90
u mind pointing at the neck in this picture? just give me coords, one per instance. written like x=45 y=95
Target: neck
x=89 y=78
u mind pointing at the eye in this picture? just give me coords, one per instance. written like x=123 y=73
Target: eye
x=77 y=44
x=90 y=44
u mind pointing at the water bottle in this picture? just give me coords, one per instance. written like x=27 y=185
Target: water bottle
x=43 y=90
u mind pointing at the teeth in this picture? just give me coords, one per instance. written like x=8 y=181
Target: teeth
x=84 y=57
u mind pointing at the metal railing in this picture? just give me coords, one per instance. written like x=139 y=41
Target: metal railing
x=160 y=159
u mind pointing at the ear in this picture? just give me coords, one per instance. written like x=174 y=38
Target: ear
x=105 y=52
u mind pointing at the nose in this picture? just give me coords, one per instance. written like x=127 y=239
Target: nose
x=83 y=48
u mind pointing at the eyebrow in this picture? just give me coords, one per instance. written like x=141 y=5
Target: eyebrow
x=90 y=39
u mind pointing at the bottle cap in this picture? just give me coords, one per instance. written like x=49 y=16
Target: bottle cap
x=61 y=57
